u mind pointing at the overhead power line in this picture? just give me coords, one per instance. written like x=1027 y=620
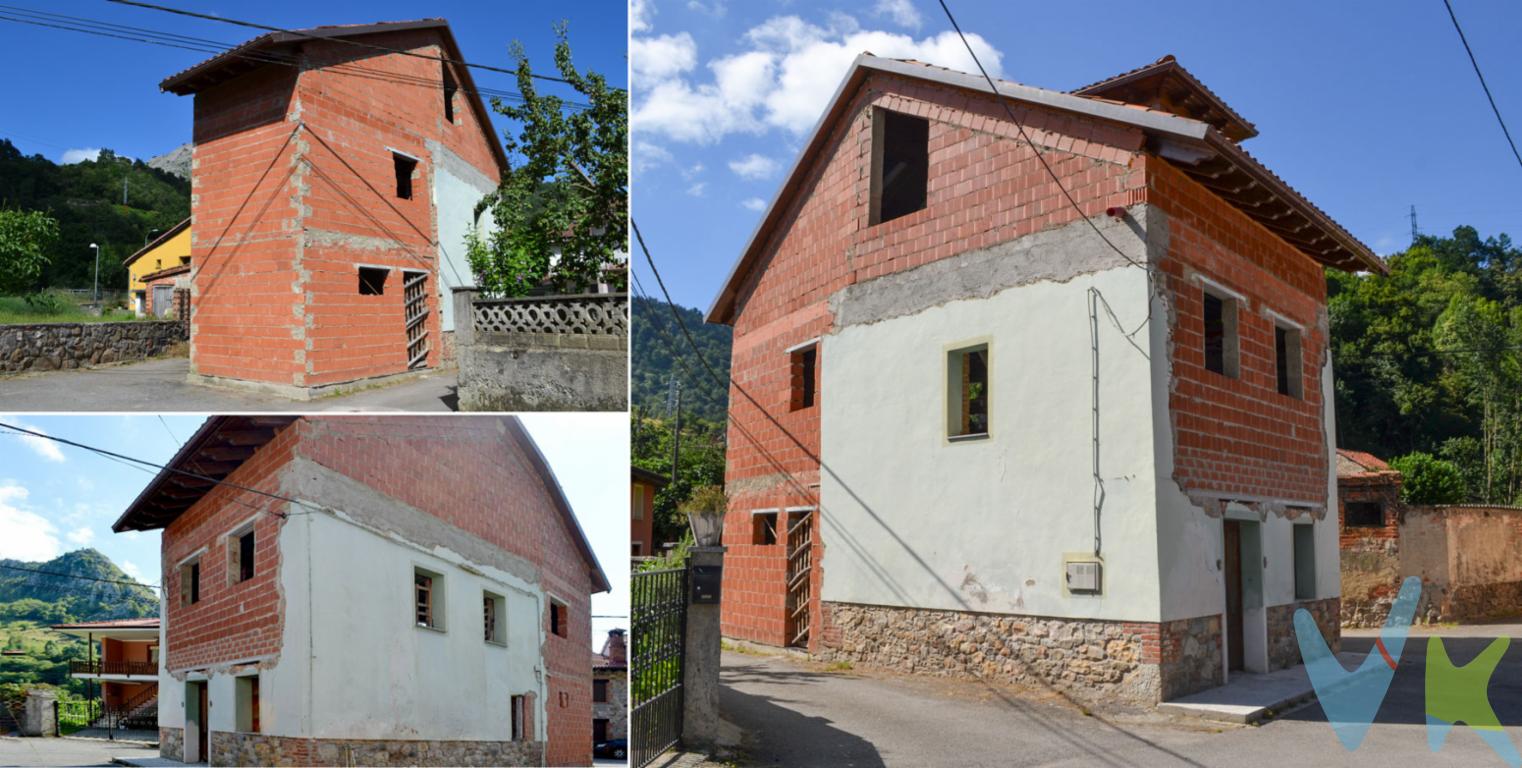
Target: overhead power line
x=1483 y=86
x=268 y=28
x=19 y=15
x=77 y=576
x=161 y=467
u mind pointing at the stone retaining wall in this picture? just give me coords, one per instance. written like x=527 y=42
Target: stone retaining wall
x=172 y=743
x=233 y=749
x=64 y=346
x=1283 y=647
x=1098 y=662
x=544 y=372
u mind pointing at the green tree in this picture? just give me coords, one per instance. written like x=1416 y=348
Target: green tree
x=26 y=238
x=561 y=210
x=1428 y=480
x=701 y=464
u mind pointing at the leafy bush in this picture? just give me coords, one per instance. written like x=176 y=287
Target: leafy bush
x=1429 y=480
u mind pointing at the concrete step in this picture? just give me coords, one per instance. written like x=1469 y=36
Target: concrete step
x=1252 y=697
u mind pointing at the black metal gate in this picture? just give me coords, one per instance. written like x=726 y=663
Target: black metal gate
x=658 y=610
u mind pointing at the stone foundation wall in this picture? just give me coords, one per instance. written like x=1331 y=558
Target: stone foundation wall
x=1485 y=601
x=232 y=749
x=1283 y=647
x=172 y=743
x=1190 y=655
x=616 y=709
x=1097 y=662
x=64 y=346
x=544 y=372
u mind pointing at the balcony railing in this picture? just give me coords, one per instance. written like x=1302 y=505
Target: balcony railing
x=140 y=668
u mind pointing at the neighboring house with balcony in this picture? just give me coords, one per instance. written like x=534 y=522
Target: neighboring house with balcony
x=979 y=429
x=122 y=659
x=351 y=590
x=156 y=271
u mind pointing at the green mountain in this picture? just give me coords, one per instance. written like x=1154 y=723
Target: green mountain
x=68 y=592
x=86 y=199
x=662 y=354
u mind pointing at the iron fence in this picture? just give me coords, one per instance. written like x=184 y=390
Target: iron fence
x=658 y=612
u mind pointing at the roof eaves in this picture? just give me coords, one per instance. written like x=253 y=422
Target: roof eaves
x=562 y=504
x=163 y=238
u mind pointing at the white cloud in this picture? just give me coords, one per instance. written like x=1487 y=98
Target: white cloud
x=81 y=536
x=130 y=568
x=753 y=166
x=646 y=155
x=71 y=156
x=662 y=57
x=782 y=77
x=754 y=203
x=698 y=189
x=716 y=9
x=28 y=536
x=43 y=447
x=902 y=12
x=640 y=12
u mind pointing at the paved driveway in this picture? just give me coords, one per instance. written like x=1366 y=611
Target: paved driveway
x=800 y=714
x=160 y=386
x=60 y=752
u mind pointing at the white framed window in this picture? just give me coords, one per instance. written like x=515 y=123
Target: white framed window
x=494 y=617
x=967 y=392
x=428 y=603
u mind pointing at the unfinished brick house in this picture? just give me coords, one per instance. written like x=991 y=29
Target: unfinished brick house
x=973 y=438
x=332 y=187
x=329 y=602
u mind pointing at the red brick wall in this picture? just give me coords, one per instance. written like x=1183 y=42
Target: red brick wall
x=231 y=621
x=1240 y=435
x=243 y=239
x=306 y=311
x=985 y=188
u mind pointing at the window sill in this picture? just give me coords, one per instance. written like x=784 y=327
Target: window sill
x=968 y=438
x=439 y=630
x=498 y=643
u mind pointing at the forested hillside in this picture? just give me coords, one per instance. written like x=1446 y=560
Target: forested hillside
x=83 y=585
x=86 y=200
x=656 y=338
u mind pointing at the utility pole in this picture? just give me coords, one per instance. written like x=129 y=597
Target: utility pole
x=124 y=190
x=1414 y=231
x=676 y=433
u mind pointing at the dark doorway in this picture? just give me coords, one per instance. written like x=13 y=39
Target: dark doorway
x=1233 y=566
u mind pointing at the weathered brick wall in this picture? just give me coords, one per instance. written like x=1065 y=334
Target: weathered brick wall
x=1240 y=436
x=985 y=187
x=480 y=479
x=231 y=621
x=1370 y=556
x=327 y=205
x=64 y=346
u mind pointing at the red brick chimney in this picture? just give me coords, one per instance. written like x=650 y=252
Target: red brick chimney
x=614 y=650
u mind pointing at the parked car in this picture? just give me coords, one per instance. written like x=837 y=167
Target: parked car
x=617 y=749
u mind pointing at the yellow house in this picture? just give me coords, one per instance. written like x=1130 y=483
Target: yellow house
x=170 y=251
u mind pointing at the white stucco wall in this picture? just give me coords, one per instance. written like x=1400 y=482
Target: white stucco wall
x=352 y=663
x=910 y=519
x=457 y=188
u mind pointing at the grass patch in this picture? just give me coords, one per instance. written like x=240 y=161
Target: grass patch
x=839 y=666
x=14 y=310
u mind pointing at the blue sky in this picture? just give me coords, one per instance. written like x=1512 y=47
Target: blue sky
x=88 y=92
x=56 y=498
x=1366 y=107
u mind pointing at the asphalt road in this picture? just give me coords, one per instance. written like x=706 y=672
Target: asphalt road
x=61 y=752
x=160 y=386
x=800 y=714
